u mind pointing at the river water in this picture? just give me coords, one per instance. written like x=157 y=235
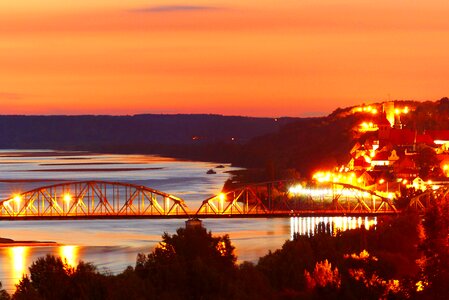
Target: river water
x=112 y=245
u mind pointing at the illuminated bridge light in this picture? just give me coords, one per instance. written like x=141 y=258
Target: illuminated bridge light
x=67 y=198
x=221 y=196
x=17 y=199
x=295 y=189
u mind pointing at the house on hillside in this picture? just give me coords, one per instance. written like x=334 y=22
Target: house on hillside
x=384 y=158
x=364 y=179
x=384 y=128
x=361 y=163
x=405 y=168
x=440 y=138
x=407 y=137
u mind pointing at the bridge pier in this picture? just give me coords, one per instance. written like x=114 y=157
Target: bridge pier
x=194 y=223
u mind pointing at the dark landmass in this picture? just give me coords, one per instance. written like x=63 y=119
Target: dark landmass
x=38 y=153
x=280 y=147
x=32 y=180
x=4 y=242
x=92 y=170
x=77 y=132
x=89 y=164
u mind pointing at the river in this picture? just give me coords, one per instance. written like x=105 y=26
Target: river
x=112 y=245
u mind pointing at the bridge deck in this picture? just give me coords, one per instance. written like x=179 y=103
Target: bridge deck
x=114 y=200
x=204 y=216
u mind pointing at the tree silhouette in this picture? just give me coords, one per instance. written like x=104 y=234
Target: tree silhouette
x=428 y=163
x=190 y=264
x=51 y=278
x=3 y=294
x=436 y=249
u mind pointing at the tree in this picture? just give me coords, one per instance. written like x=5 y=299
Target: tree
x=3 y=294
x=190 y=264
x=428 y=163
x=323 y=276
x=443 y=105
x=436 y=250
x=285 y=267
x=51 y=278
x=250 y=283
x=25 y=290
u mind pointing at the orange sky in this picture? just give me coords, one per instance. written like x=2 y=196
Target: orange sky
x=260 y=58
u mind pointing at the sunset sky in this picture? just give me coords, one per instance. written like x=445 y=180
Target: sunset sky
x=258 y=58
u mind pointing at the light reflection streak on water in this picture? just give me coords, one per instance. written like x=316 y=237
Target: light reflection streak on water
x=309 y=226
x=69 y=255
x=19 y=260
x=18 y=257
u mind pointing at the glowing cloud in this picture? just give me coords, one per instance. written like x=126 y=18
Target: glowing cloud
x=174 y=8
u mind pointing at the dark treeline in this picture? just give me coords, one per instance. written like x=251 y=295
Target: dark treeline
x=195 y=137
x=405 y=257
x=107 y=131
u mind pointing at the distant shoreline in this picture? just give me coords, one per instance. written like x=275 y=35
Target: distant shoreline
x=4 y=242
x=93 y=170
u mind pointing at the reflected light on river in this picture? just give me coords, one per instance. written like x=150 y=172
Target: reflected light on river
x=19 y=266
x=331 y=225
x=69 y=255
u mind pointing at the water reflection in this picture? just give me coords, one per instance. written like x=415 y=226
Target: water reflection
x=18 y=257
x=69 y=255
x=331 y=225
x=21 y=257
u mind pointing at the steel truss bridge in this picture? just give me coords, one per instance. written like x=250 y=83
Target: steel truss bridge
x=272 y=198
x=422 y=201
x=109 y=200
x=91 y=199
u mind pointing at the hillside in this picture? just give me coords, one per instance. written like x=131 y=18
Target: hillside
x=324 y=143
x=275 y=145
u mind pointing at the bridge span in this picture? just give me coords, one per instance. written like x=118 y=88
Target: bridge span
x=115 y=200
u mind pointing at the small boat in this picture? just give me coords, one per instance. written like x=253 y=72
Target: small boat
x=210 y=171
x=220 y=167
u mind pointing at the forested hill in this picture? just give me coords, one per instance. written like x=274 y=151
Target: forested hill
x=80 y=132
x=300 y=144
